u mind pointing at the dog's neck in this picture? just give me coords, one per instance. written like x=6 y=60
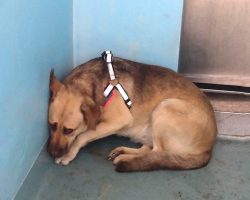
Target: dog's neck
x=89 y=80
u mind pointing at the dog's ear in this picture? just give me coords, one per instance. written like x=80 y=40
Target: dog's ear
x=54 y=84
x=92 y=112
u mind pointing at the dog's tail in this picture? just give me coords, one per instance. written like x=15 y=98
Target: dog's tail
x=163 y=160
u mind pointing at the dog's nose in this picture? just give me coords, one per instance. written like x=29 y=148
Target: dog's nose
x=56 y=152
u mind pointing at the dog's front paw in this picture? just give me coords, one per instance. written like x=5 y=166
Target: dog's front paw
x=64 y=160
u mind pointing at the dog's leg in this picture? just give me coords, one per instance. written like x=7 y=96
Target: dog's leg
x=111 y=122
x=181 y=140
x=104 y=129
x=126 y=150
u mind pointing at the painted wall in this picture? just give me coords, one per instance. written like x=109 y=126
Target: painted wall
x=35 y=36
x=142 y=30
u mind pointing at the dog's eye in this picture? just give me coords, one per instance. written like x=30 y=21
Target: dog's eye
x=53 y=126
x=67 y=131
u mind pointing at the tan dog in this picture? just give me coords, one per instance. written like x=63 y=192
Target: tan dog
x=170 y=116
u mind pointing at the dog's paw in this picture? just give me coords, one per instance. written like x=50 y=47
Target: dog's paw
x=121 y=167
x=123 y=163
x=115 y=153
x=64 y=160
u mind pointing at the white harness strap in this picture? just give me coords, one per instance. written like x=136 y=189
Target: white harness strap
x=107 y=57
x=124 y=94
x=108 y=90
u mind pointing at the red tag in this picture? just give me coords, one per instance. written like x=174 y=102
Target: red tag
x=109 y=100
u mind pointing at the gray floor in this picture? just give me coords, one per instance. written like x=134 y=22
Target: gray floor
x=91 y=177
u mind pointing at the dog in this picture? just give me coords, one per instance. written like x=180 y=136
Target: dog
x=170 y=116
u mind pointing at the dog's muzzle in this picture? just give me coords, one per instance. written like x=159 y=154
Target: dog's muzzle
x=56 y=151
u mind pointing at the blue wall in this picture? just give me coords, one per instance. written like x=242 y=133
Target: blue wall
x=141 y=30
x=35 y=36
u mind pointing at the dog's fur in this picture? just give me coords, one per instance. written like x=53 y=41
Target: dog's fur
x=170 y=116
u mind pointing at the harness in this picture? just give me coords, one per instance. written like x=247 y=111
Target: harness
x=114 y=83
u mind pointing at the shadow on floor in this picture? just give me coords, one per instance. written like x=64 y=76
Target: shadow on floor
x=91 y=176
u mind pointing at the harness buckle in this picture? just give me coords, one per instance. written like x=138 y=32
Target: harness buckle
x=107 y=56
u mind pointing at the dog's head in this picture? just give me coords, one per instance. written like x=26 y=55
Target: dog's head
x=70 y=114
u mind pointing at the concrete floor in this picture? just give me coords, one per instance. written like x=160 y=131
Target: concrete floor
x=91 y=176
